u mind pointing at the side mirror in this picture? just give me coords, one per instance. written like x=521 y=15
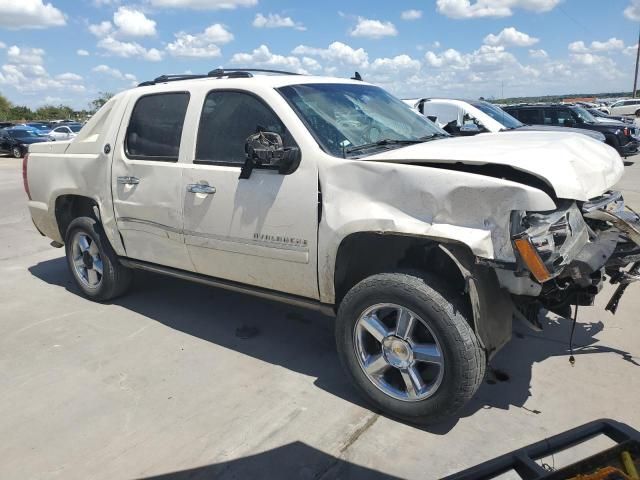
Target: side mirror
x=265 y=150
x=469 y=129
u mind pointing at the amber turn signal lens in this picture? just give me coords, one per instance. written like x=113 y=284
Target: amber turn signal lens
x=532 y=260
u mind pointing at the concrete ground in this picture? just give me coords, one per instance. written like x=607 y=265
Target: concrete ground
x=159 y=383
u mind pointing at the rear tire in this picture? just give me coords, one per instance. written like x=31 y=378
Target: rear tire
x=93 y=263
x=439 y=321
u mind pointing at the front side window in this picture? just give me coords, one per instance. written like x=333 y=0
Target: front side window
x=498 y=114
x=228 y=119
x=155 y=128
x=583 y=115
x=346 y=118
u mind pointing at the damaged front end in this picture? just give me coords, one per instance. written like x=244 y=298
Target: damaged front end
x=572 y=250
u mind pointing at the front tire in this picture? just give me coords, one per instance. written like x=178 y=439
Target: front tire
x=16 y=152
x=93 y=263
x=406 y=344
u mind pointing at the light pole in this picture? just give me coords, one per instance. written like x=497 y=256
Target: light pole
x=635 y=79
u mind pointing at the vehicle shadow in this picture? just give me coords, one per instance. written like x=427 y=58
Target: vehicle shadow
x=302 y=341
x=294 y=460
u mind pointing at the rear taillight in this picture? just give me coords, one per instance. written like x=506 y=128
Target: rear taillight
x=25 y=180
x=627 y=132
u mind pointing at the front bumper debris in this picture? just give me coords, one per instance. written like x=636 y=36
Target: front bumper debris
x=610 y=208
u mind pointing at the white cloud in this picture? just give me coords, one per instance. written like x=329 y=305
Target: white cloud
x=133 y=23
x=596 y=46
x=448 y=58
x=203 y=45
x=19 y=14
x=30 y=56
x=578 y=47
x=101 y=29
x=461 y=9
x=25 y=72
x=411 y=14
x=373 y=29
x=114 y=72
x=276 y=21
x=204 y=4
x=611 y=44
x=337 y=52
x=82 y=52
x=539 y=54
x=511 y=37
x=69 y=77
x=118 y=48
x=632 y=12
x=263 y=57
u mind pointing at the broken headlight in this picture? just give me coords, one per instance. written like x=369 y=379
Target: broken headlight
x=545 y=242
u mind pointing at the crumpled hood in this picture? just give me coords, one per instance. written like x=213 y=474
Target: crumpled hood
x=574 y=165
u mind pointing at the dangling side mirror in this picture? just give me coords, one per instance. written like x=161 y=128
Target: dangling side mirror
x=265 y=150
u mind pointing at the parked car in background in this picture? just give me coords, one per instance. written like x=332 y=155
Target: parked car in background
x=624 y=107
x=602 y=117
x=470 y=117
x=6 y=124
x=42 y=129
x=16 y=140
x=618 y=135
x=65 y=132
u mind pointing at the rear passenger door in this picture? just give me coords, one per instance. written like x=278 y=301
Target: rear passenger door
x=146 y=179
x=262 y=230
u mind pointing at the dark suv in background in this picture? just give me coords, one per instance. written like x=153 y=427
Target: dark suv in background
x=618 y=135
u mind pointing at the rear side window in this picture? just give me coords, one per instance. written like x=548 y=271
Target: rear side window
x=155 y=128
x=529 y=116
x=228 y=118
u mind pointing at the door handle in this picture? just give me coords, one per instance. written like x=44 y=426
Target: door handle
x=128 y=180
x=201 y=188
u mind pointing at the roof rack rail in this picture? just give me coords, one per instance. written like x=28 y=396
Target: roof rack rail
x=223 y=72
x=216 y=73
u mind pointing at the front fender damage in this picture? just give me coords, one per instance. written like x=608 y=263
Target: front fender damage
x=491 y=305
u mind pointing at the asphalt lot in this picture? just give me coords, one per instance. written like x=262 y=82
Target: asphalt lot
x=160 y=381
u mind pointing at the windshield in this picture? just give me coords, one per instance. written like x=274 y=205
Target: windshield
x=343 y=117
x=596 y=113
x=22 y=133
x=498 y=114
x=584 y=115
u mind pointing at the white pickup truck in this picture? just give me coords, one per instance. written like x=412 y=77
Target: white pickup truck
x=332 y=194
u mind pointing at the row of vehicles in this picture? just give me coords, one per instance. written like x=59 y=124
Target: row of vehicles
x=15 y=139
x=333 y=195
x=470 y=117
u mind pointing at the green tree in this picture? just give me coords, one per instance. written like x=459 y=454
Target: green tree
x=103 y=97
x=5 y=107
x=20 y=112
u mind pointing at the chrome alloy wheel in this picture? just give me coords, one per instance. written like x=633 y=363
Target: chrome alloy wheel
x=87 y=262
x=398 y=352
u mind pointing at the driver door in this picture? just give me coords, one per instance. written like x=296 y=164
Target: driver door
x=262 y=230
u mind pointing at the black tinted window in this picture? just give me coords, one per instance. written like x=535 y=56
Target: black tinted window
x=529 y=116
x=228 y=118
x=156 y=125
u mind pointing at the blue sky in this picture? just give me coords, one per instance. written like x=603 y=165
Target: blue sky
x=65 y=51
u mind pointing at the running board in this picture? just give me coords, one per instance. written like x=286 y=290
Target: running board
x=295 y=300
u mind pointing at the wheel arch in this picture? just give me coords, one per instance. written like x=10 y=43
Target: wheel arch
x=71 y=206
x=363 y=254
